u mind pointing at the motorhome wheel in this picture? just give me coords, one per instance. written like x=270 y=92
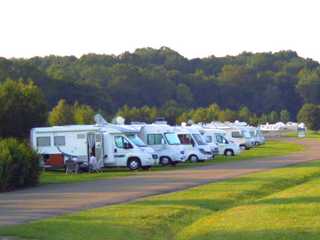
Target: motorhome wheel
x=134 y=164
x=243 y=147
x=229 y=152
x=164 y=161
x=194 y=158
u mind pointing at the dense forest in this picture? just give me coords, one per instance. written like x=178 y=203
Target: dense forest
x=163 y=81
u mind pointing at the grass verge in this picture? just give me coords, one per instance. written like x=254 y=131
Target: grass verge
x=270 y=149
x=310 y=134
x=282 y=204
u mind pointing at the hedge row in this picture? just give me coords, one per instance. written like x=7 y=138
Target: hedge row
x=19 y=165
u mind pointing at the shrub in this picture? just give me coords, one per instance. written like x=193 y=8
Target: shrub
x=19 y=165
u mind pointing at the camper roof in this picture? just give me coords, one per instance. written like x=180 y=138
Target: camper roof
x=159 y=128
x=75 y=128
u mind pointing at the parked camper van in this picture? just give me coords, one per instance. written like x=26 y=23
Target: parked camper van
x=195 y=146
x=249 y=136
x=236 y=135
x=110 y=146
x=132 y=134
x=226 y=147
x=164 y=141
x=259 y=137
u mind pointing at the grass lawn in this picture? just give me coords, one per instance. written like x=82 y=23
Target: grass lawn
x=310 y=134
x=270 y=149
x=279 y=204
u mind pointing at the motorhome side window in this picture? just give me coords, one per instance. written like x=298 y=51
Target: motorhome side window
x=43 y=141
x=121 y=142
x=59 y=140
x=236 y=135
x=185 y=139
x=155 y=139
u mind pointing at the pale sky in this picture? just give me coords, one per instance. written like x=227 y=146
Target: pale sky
x=194 y=28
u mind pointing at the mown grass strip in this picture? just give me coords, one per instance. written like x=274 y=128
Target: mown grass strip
x=268 y=205
x=310 y=134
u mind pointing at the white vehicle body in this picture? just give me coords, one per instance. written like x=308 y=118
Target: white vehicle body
x=260 y=138
x=249 y=136
x=225 y=146
x=212 y=144
x=132 y=134
x=110 y=146
x=236 y=136
x=164 y=141
x=196 y=147
x=257 y=135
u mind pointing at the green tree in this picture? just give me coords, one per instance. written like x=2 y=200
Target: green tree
x=227 y=115
x=61 y=114
x=184 y=95
x=22 y=107
x=213 y=112
x=310 y=115
x=170 y=111
x=83 y=114
x=273 y=117
x=309 y=85
x=284 y=116
x=263 y=119
x=244 y=114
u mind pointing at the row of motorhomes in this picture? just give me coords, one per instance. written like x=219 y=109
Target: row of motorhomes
x=141 y=145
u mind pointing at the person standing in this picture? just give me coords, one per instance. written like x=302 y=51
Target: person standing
x=93 y=165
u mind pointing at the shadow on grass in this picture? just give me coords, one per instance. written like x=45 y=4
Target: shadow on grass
x=295 y=200
x=266 y=188
x=266 y=234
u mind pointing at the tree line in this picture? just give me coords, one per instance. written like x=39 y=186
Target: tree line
x=175 y=115
x=256 y=87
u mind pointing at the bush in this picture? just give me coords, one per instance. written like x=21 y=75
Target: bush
x=19 y=165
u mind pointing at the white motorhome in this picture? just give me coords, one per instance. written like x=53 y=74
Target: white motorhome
x=259 y=137
x=212 y=144
x=132 y=134
x=164 y=141
x=109 y=145
x=256 y=135
x=226 y=147
x=195 y=146
x=246 y=131
x=237 y=136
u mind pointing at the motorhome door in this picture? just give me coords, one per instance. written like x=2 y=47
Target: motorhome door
x=99 y=147
x=95 y=145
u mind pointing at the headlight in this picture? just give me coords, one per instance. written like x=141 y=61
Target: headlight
x=154 y=156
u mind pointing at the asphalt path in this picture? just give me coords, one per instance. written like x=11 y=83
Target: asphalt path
x=55 y=199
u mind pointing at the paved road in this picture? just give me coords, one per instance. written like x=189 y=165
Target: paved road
x=51 y=200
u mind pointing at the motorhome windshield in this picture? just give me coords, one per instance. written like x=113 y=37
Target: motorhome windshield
x=136 y=140
x=198 y=139
x=209 y=139
x=172 y=138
